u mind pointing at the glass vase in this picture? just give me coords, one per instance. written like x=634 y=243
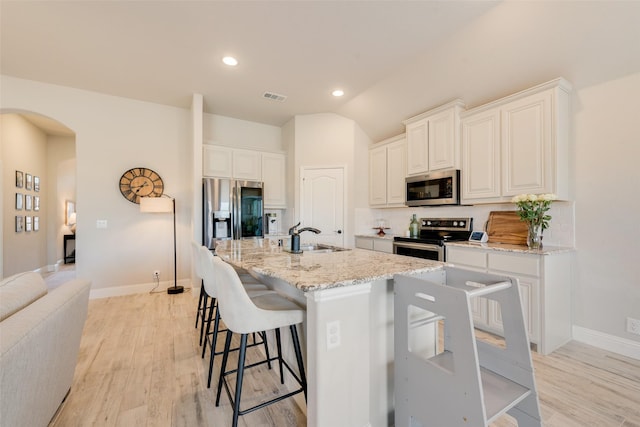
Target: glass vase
x=534 y=238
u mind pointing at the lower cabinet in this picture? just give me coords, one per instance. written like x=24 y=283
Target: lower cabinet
x=375 y=244
x=545 y=291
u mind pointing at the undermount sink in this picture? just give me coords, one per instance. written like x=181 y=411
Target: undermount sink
x=318 y=248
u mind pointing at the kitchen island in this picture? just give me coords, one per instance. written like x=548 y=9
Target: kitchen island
x=348 y=329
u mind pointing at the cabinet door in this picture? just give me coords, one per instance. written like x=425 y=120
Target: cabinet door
x=396 y=172
x=274 y=178
x=418 y=147
x=481 y=156
x=378 y=176
x=364 y=243
x=247 y=165
x=442 y=144
x=527 y=155
x=217 y=161
x=528 y=288
x=383 y=245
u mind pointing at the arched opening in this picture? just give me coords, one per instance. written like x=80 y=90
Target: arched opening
x=38 y=169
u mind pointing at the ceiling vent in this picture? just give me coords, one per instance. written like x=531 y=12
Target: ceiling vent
x=274 y=96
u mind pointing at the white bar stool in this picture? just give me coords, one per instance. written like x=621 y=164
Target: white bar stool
x=203 y=300
x=244 y=315
x=210 y=282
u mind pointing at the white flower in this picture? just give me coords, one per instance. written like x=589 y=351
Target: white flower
x=548 y=197
x=532 y=197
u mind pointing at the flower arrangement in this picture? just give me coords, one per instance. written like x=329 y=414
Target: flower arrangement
x=533 y=209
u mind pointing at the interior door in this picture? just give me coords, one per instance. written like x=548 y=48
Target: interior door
x=322 y=204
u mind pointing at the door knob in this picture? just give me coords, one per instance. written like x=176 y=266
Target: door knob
x=339 y=231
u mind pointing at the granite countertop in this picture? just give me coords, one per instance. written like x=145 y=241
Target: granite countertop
x=317 y=271
x=503 y=247
x=376 y=236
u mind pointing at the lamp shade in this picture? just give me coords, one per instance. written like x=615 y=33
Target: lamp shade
x=72 y=219
x=156 y=204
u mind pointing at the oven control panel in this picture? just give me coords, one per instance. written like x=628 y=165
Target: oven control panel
x=453 y=224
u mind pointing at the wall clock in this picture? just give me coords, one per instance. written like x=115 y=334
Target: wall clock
x=140 y=182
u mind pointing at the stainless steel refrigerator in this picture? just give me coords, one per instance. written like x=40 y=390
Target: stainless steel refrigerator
x=233 y=209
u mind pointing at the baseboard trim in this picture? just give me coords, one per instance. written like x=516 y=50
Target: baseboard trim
x=607 y=342
x=117 y=291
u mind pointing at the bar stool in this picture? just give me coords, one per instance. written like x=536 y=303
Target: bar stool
x=203 y=300
x=210 y=281
x=245 y=315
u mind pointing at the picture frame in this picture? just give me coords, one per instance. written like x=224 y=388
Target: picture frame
x=28 y=202
x=28 y=223
x=28 y=181
x=36 y=203
x=36 y=223
x=36 y=183
x=69 y=208
x=19 y=201
x=19 y=179
x=19 y=223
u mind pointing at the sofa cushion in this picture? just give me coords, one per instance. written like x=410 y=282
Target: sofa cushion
x=20 y=290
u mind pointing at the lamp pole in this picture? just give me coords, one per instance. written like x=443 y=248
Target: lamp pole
x=175 y=289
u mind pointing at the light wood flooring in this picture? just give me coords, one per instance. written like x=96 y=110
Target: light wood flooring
x=140 y=365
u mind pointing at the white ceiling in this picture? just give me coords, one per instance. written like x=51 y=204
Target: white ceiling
x=394 y=59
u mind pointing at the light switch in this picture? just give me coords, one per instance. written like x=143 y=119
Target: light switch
x=101 y=223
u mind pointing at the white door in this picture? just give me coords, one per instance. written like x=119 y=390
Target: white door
x=322 y=204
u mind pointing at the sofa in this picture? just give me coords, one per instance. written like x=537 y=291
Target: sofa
x=40 y=334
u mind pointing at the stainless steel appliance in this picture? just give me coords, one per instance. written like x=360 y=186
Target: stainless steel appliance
x=231 y=210
x=434 y=233
x=433 y=189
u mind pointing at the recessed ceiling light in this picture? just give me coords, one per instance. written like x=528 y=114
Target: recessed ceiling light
x=337 y=92
x=230 y=61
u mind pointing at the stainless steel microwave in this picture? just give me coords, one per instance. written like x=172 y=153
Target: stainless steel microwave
x=434 y=189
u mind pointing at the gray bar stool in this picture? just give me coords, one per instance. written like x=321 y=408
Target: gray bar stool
x=245 y=315
x=210 y=283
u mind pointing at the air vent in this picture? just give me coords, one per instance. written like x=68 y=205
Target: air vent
x=274 y=96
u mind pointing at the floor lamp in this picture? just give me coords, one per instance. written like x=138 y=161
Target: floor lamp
x=165 y=205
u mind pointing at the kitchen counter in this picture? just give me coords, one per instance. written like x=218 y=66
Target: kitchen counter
x=376 y=236
x=348 y=327
x=311 y=271
x=503 y=247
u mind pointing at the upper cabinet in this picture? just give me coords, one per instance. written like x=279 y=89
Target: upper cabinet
x=387 y=171
x=433 y=139
x=249 y=165
x=518 y=144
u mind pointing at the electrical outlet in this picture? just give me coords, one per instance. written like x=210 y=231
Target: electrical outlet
x=333 y=334
x=633 y=326
x=156 y=274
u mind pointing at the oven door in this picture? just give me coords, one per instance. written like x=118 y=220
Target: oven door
x=419 y=250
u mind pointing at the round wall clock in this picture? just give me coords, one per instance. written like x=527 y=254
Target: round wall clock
x=140 y=182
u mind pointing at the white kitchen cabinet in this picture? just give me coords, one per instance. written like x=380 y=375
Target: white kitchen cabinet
x=433 y=139
x=247 y=165
x=375 y=244
x=217 y=161
x=545 y=291
x=481 y=156
x=517 y=144
x=387 y=171
x=274 y=178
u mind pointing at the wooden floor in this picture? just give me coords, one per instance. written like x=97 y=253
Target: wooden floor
x=140 y=365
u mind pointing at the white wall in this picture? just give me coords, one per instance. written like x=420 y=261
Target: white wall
x=24 y=148
x=113 y=135
x=607 y=205
x=230 y=132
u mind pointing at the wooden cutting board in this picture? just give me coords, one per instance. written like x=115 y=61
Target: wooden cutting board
x=506 y=227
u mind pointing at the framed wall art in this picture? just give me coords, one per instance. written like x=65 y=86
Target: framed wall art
x=70 y=207
x=19 y=223
x=36 y=203
x=19 y=179
x=36 y=183
x=28 y=181
x=19 y=201
x=28 y=202
x=27 y=223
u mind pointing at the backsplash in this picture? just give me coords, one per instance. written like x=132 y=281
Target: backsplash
x=559 y=233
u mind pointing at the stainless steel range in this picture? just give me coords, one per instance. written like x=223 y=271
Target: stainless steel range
x=434 y=232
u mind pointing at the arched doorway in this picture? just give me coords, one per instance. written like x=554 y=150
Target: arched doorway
x=38 y=170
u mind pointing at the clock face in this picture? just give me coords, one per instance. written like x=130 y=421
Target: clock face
x=140 y=182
